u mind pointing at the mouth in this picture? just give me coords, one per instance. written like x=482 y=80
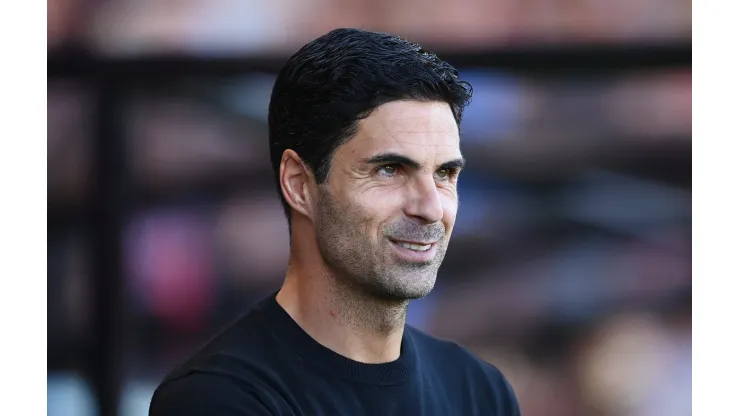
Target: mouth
x=414 y=245
x=420 y=252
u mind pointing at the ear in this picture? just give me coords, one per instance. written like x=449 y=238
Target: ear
x=295 y=178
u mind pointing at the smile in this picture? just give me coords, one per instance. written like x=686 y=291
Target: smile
x=414 y=246
x=415 y=251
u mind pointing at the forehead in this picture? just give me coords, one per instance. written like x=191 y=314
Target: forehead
x=424 y=131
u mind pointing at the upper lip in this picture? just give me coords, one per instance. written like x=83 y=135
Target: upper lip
x=421 y=243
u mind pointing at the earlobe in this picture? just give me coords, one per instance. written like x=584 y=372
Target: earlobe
x=294 y=180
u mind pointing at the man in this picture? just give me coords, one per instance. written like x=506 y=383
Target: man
x=364 y=141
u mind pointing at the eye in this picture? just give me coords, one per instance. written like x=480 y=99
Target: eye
x=388 y=170
x=444 y=174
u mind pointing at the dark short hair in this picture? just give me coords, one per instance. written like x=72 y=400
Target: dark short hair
x=332 y=82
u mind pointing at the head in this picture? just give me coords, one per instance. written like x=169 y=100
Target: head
x=365 y=146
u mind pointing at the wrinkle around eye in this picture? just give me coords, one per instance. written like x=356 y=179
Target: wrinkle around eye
x=449 y=189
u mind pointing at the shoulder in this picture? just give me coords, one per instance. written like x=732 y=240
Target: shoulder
x=456 y=361
x=229 y=375
x=198 y=394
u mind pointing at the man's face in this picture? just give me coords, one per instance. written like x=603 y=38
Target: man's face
x=387 y=209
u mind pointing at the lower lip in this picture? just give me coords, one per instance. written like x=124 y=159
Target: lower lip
x=413 y=255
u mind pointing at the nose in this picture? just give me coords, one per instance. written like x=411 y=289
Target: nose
x=424 y=201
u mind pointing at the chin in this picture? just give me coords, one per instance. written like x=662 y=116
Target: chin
x=416 y=295
x=405 y=289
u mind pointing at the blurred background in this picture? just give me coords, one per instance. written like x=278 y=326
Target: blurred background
x=570 y=267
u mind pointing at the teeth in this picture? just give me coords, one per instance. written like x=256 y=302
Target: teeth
x=415 y=247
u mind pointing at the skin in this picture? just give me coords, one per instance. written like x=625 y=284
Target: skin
x=348 y=283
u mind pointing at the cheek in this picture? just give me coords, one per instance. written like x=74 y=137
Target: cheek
x=382 y=201
x=449 y=206
x=379 y=207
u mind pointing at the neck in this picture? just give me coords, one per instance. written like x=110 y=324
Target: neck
x=339 y=316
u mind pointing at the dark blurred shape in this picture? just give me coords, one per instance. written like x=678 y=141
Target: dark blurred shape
x=69 y=112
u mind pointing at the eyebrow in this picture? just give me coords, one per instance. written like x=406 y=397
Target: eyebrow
x=453 y=164
x=397 y=159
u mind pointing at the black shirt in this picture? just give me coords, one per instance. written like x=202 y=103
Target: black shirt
x=265 y=364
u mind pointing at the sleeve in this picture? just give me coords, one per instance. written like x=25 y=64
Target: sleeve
x=511 y=400
x=505 y=396
x=205 y=394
